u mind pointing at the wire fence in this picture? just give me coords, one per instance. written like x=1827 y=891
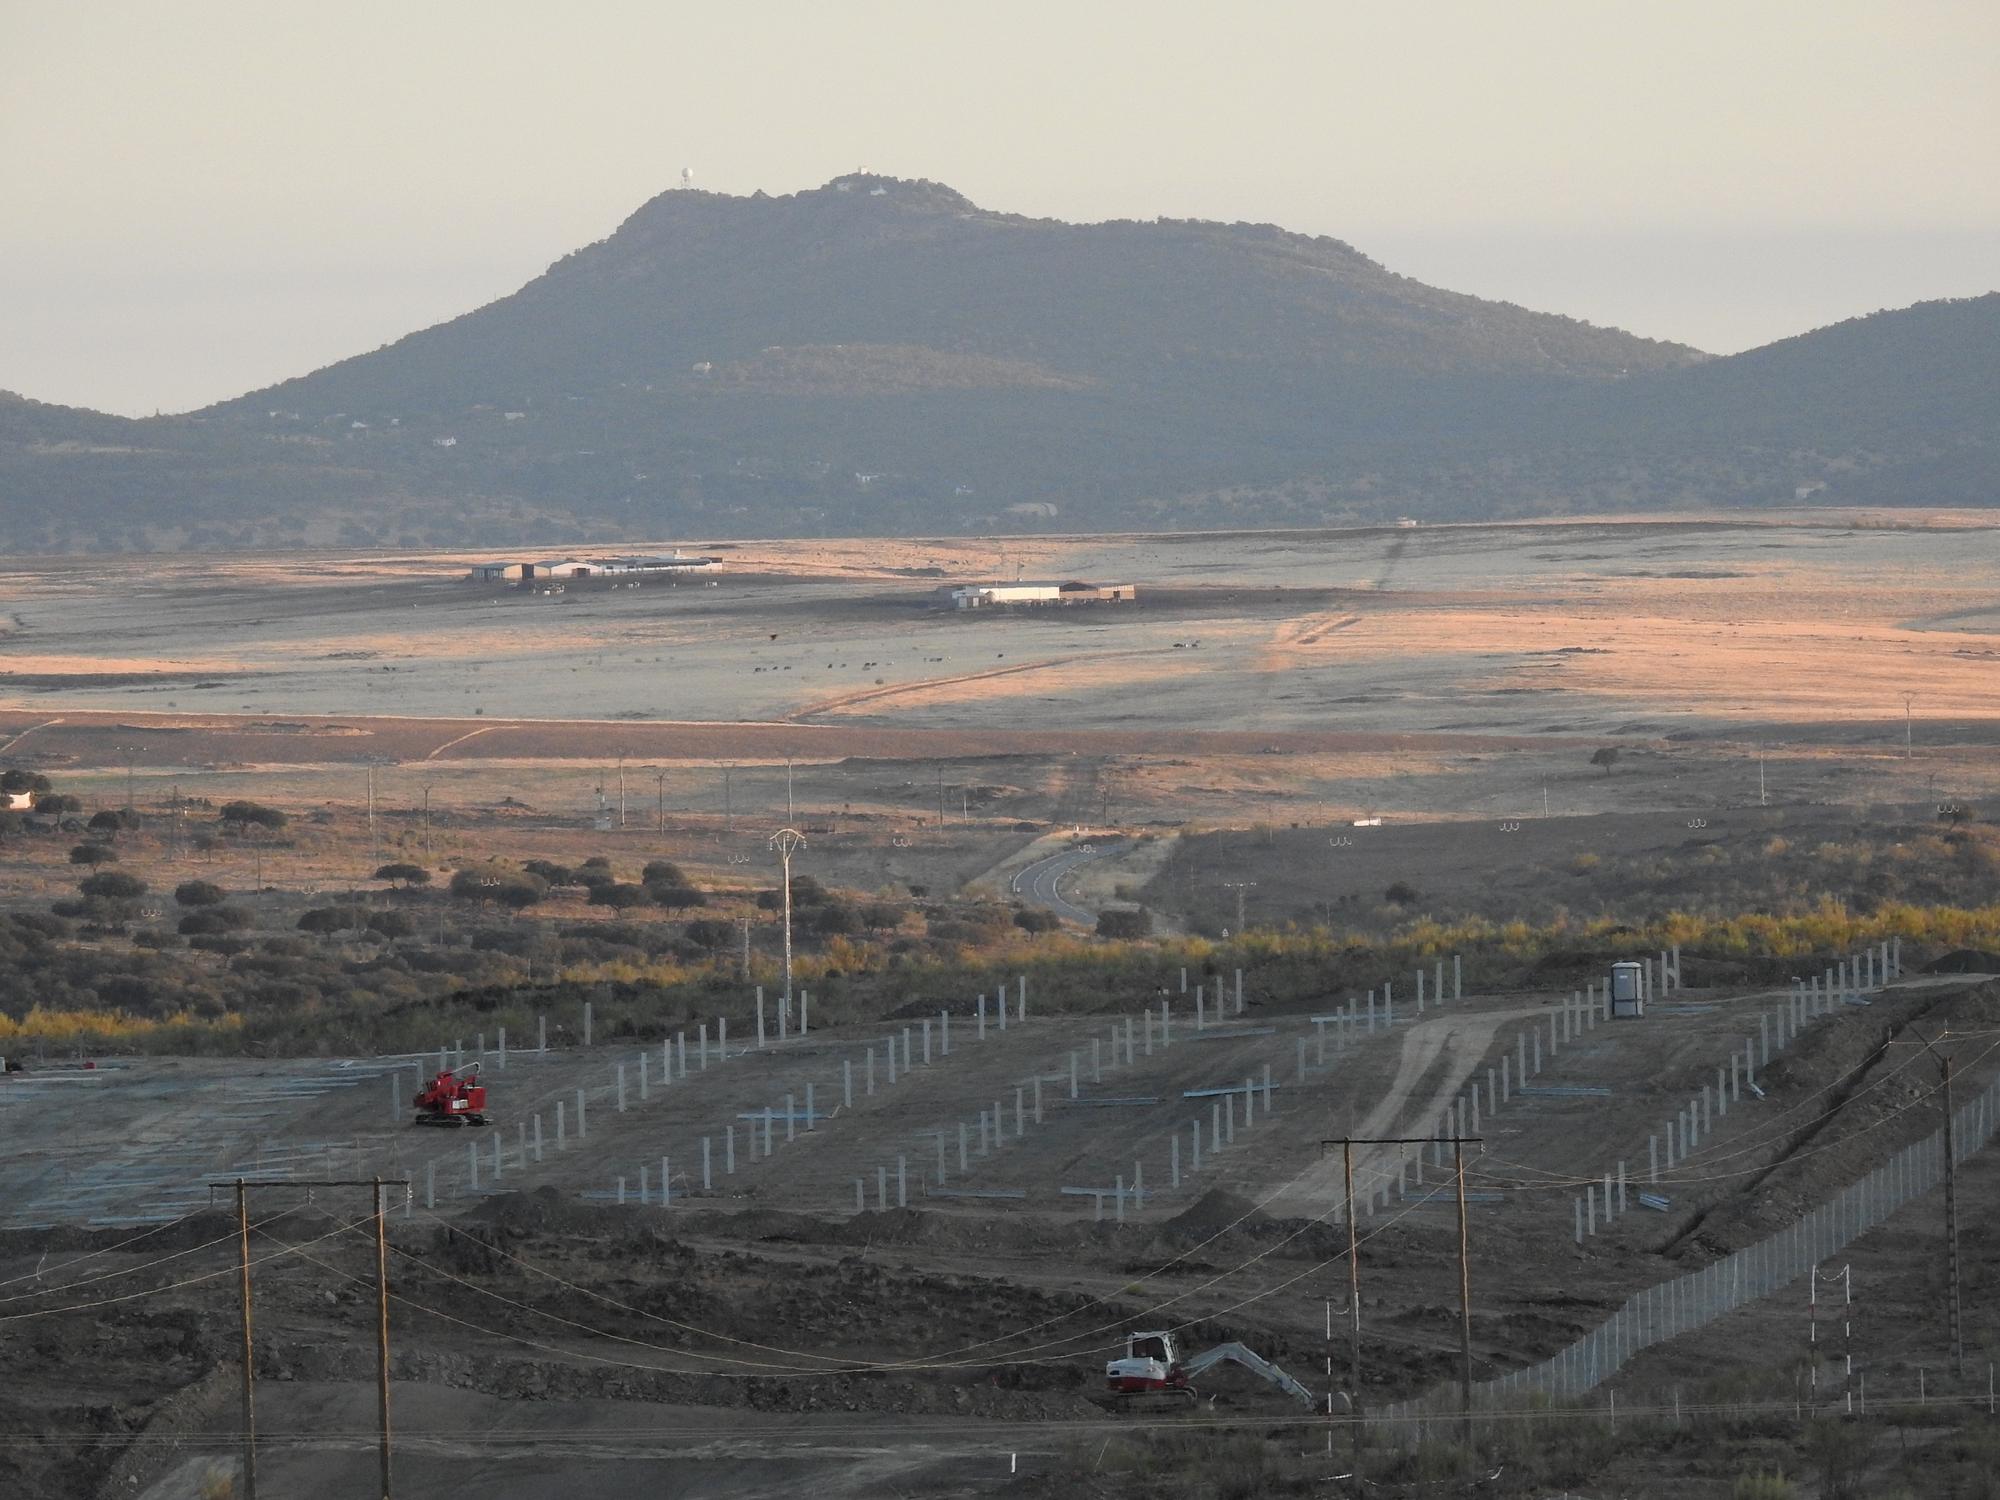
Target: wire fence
x=1694 y=1301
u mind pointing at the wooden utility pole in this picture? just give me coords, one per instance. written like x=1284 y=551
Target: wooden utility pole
x=380 y=1215
x=1353 y=1315
x=1347 y=1145
x=382 y=1325
x=1464 y=1298
x=660 y=782
x=621 y=791
x=249 y=1374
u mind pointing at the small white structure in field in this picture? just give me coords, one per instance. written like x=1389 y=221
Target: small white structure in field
x=1628 y=989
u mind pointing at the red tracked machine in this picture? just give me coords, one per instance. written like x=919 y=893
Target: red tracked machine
x=452 y=1100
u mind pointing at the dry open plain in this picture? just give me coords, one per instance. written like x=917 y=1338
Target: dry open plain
x=1214 y=743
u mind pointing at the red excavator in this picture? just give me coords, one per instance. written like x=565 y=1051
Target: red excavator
x=452 y=1100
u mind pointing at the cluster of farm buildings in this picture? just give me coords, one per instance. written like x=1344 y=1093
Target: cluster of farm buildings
x=561 y=568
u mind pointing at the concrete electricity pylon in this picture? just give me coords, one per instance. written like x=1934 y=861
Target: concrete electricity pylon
x=785 y=840
x=1240 y=887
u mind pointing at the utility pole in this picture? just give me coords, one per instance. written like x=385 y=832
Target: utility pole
x=1353 y=1315
x=1908 y=734
x=621 y=791
x=1545 y=799
x=728 y=801
x=1240 y=887
x=427 y=820
x=1950 y=1208
x=1347 y=1145
x=660 y=784
x=789 y=815
x=746 y=948
x=1464 y=1297
x=374 y=844
x=785 y=840
x=940 y=775
x=249 y=1375
x=1762 y=800
x=382 y=1326
x=380 y=1215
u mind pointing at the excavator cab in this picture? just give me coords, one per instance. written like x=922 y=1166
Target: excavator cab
x=451 y=1100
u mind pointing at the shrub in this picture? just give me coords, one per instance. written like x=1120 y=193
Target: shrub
x=93 y=854
x=57 y=803
x=509 y=887
x=405 y=875
x=214 y=919
x=1034 y=919
x=113 y=885
x=325 y=919
x=391 y=924
x=835 y=919
x=663 y=872
x=1136 y=923
x=618 y=896
x=550 y=871
x=198 y=893
x=881 y=916
x=676 y=897
x=712 y=932
x=1402 y=893
x=107 y=821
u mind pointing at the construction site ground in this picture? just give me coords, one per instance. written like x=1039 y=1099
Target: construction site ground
x=540 y=1309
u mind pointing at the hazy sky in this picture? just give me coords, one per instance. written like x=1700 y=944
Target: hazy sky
x=197 y=199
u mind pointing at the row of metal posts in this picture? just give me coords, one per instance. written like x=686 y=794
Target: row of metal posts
x=1693 y=1122
x=1688 y=1303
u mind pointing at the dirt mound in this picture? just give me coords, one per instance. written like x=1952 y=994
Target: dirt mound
x=1216 y=1210
x=545 y=1210
x=1964 y=961
x=186 y=1234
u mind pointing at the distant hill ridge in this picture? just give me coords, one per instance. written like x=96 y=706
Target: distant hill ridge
x=884 y=355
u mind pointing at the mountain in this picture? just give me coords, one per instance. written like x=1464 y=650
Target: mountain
x=884 y=355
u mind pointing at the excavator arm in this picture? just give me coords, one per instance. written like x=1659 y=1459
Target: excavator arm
x=1255 y=1363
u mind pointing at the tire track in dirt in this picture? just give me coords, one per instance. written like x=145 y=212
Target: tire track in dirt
x=896 y=690
x=1445 y=1047
x=473 y=735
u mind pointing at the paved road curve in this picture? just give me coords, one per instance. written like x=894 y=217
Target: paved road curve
x=1041 y=882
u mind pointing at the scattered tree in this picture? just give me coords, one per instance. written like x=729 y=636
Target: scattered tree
x=676 y=897
x=619 y=896
x=93 y=854
x=391 y=924
x=240 y=816
x=714 y=933
x=1119 y=923
x=1402 y=893
x=23 y=781
x=663 y=872
x=330 y=919
x=58 y=803
x=113 y=885
x=1034 y=919
x=1605 y=756
x=405 y=875
x=198 y=893
x=107 y=821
